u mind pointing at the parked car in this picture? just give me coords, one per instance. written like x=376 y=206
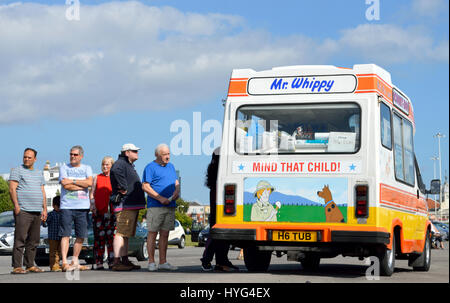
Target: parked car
x=203 y=236
x=7 y=227
x=137 y=246
x=176 y=236
x=7 y=224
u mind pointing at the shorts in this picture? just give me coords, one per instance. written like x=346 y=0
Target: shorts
x=160 y=218
x=80 y=219
x=126 y=221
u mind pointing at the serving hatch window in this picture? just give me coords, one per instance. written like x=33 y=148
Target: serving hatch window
x=302 y=128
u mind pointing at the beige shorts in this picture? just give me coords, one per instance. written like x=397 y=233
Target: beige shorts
x=126 y=221
x=160 y=218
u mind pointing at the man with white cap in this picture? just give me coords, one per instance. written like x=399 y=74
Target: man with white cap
x=128 y=198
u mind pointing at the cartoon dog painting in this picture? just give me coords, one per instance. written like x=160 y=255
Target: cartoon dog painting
x=262 y=210
x=332 y=212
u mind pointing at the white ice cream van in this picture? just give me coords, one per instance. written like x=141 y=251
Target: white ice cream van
x=318 y=161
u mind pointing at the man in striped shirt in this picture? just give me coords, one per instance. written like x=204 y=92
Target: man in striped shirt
x=26 y=188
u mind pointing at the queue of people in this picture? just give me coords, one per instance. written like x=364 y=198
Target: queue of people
x=115 y=198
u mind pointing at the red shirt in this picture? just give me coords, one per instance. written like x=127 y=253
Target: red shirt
x=102 y=192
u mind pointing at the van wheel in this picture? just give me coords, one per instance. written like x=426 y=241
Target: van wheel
x=387 y=259
x=182 y=243
x=310 y=262
x=423 y=262
x=256 y=260
x=142 y=254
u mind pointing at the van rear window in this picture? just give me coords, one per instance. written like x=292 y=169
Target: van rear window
x=302 y=128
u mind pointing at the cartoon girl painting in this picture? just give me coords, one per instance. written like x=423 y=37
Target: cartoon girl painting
x=262 y=210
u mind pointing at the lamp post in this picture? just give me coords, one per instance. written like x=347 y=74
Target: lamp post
x=434 y=158
x=439 y=136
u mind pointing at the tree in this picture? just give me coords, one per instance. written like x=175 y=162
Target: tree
x=5 y=199
x=180 y=213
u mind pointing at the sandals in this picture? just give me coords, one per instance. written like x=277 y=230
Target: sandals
x=72 y=267
x=19 y=271
x=34 y=269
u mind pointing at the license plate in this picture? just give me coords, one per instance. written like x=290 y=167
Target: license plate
x=294 y=236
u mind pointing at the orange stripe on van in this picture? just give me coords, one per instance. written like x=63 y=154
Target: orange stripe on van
x=368 y=83
x=238 y=87
x=394 y=197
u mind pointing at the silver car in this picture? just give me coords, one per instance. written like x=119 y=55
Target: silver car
x=7 y=224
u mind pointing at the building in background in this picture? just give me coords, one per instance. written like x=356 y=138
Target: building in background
x=198 y=213
x=52 y=186
x=443 y=210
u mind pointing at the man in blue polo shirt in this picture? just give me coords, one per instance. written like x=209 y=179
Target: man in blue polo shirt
x=26 y=188
x=161 y=184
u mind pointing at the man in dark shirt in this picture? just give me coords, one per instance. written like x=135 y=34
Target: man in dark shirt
x=129 y=199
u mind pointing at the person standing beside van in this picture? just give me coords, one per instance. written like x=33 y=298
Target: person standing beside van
x=219 y=248
x=161 y=184
x=26 y=188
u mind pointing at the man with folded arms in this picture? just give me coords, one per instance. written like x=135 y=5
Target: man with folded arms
x=26 y=188
x=75 y=179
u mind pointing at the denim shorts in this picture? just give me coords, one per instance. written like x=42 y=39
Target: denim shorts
x=80 y=219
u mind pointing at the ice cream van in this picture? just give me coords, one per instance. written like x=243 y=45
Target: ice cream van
x=318 y=161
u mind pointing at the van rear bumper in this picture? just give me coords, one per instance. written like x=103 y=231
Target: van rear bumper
x=369 y=237
x=337 y=236
x=233 y=234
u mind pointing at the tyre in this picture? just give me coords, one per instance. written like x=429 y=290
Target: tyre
x=387 y=259
x=142 y=254
x=311 y=262
x=256 y=260
x=182 y=243
x=423 y=261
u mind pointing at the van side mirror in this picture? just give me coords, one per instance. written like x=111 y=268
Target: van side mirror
x=435 y=187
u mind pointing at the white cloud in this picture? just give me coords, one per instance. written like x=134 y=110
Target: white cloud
x=130 y=56
x=385 y=43
x=429 y=8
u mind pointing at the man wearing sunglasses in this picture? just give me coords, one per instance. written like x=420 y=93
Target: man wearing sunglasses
x=75 y=179
x=128 y=198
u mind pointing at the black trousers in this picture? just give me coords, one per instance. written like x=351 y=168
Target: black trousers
x=219 y=248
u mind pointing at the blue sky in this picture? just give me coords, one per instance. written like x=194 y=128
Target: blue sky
x=127 y=70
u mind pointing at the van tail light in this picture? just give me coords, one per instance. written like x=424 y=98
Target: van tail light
x=362 y=201
x=230 y=199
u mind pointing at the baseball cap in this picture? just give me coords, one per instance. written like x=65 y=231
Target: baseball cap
x=129 y=146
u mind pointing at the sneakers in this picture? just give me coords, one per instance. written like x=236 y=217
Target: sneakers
x=207 y=266
x=121 y=267
x=135 y=267
x=224 y=268
x=152 y=267
x=167 y=266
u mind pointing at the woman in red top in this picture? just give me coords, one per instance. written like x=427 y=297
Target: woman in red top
x=104 y=221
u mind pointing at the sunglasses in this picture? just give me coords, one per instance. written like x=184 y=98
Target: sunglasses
x=75 y=155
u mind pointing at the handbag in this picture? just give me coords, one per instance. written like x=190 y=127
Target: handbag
x=115 y=199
